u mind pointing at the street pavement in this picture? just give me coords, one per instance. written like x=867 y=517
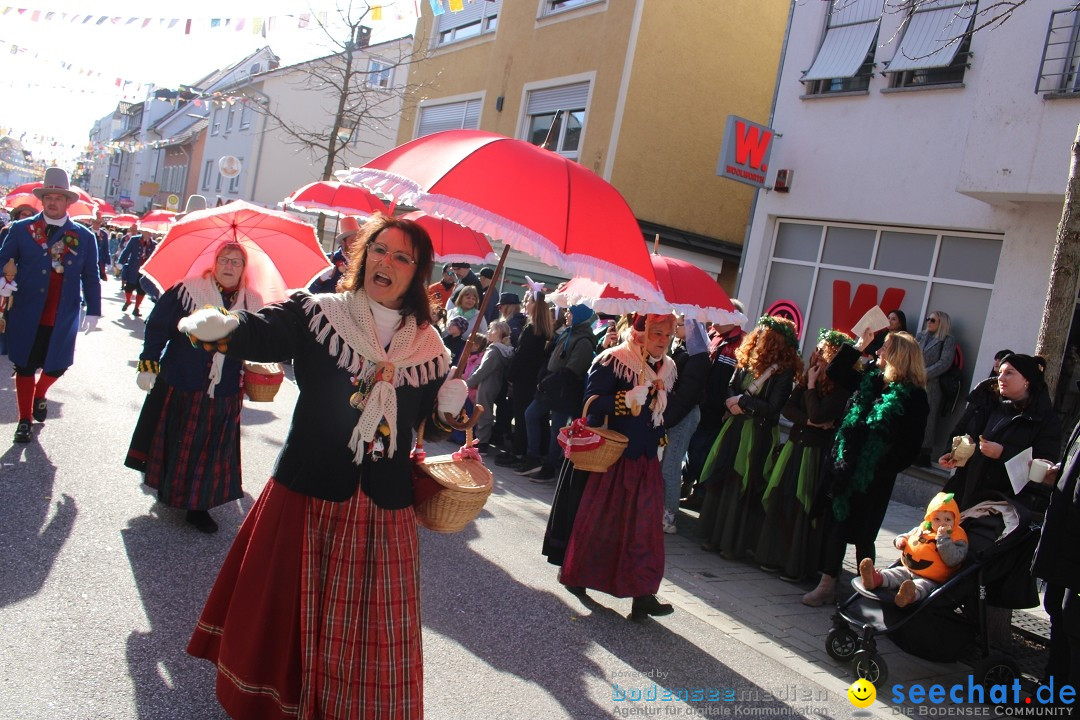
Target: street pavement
x=100 y=587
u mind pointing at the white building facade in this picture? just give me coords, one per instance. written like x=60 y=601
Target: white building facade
x=923 y=175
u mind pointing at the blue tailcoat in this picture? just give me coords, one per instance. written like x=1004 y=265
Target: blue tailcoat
x=34 y=267
x=135 y=253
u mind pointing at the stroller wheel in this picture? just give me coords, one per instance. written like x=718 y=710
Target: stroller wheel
x=996 y=669
x=841 y=644
x=870 y=666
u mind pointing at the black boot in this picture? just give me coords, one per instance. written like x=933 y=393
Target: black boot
x=646 y=605
x=201 y=521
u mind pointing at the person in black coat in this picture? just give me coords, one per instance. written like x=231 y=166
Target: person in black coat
x=1057 y=561
x=1023 y=418
x=983 y=398
x=530 y=356
x=879 y=437
x=369 y=368
x=724 y=341
x=683 y=411
x=768 y=365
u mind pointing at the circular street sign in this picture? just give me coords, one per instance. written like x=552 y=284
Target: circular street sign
x=229 y=166
x=172 y=202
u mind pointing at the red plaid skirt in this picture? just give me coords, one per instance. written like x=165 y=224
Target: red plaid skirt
x=617 y=545
x=316 y=612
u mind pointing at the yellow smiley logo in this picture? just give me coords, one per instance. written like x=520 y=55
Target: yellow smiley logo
x=861 y=693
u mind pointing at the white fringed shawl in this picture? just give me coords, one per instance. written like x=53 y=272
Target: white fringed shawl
x=344 y=323
x=626 y=361
x=197 y=293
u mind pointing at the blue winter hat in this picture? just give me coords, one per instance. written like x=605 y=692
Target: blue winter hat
x=579 y=314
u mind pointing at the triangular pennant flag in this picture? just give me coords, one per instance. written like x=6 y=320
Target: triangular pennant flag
x=376 y=12
x=456 y=6
x=304 y=20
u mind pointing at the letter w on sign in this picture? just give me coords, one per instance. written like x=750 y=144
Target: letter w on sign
x=744 y=154
x=752 y=145
x=847 y=309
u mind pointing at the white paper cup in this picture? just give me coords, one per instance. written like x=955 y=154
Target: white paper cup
x=1038 y=470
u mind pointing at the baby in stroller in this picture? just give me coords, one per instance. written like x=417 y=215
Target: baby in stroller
x=929 y=554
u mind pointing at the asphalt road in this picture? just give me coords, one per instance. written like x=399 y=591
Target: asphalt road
x=100 y=587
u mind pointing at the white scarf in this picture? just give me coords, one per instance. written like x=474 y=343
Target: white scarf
x=343 y=321
x=197 y=293
x=626 y=361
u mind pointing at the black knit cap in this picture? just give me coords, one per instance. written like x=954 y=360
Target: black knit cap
x=1030 y=366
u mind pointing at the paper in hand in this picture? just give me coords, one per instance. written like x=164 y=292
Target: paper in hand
x=873 y=320
x=1018 y=468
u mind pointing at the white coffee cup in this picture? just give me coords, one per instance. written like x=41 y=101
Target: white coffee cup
x=1038 y=470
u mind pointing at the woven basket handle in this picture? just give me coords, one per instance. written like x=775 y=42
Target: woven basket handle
x=420 y=435
x=585 y=411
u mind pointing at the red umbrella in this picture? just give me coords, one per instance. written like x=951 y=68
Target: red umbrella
x=14 y=200
x=334 y=198
x=282 y=251
x=105 y=208
x=78 y=209
x=533 y=199
x=124 y=221
x=453 y=242
x=157 y=221
x=687 y=289
x=31 y=186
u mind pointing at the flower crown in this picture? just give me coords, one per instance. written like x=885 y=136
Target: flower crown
x=834 y=337
x=784 y=328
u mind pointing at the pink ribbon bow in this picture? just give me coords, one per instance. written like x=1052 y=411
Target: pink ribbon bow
x=468 y=452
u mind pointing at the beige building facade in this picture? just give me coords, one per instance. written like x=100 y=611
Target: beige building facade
x=645 y=86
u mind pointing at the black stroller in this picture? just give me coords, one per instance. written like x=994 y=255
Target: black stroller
x=1001 y=545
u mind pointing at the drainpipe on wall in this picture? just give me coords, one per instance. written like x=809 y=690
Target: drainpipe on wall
x=262 y=137
x=753 y=203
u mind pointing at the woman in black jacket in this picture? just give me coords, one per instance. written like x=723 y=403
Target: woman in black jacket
x=1023 y=418
x=529 y=357
x=319 y=597
x=768 y=364
x=879 y=437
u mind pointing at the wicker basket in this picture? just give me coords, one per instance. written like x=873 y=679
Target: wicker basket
x=602 y=456
x=449 y=493
x=262 y=381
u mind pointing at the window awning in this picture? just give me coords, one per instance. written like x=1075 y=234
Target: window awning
x=564 y=97
x=853 y=27
x=464 y=115
x=932 y=37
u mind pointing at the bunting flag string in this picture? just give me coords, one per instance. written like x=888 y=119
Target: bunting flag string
x=121 y=86
x=397 y=10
